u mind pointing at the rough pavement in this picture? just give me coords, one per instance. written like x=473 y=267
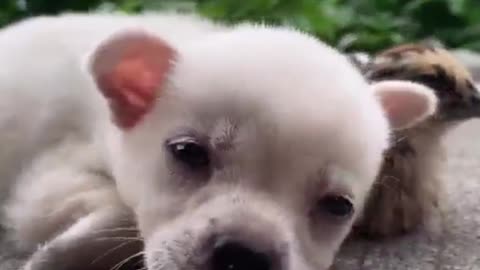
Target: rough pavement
x=455 y=247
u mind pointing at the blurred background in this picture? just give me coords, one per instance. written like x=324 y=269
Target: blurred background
x=350 y=25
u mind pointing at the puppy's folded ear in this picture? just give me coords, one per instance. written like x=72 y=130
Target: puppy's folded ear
x=130 y=69
x=405 y=103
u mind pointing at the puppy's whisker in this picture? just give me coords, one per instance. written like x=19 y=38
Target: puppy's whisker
x=382 y=183
x=106 y=238
x=114 y=232
x=108 y=252
x=122 y=263
x=141 y=262
x=119 y=229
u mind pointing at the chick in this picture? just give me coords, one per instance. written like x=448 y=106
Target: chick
x=408 y=191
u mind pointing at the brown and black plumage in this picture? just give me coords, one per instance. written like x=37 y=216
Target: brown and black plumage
x=408 y=191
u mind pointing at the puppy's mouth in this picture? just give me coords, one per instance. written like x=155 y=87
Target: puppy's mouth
x=238 y=241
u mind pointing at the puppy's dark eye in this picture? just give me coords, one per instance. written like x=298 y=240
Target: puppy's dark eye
x=337 y=206
x=190 y=152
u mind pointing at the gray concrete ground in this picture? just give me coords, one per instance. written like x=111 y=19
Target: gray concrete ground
x=455 y=247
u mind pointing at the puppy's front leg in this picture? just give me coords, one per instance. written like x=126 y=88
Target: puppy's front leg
x=103 y=240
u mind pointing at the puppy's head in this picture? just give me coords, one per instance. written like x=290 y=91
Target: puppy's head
x=249 y=149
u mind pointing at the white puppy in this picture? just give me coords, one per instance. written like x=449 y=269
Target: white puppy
x=244 y=147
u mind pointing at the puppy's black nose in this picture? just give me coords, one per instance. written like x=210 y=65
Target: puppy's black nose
x=232 y=255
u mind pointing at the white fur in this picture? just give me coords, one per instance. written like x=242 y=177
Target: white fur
x=297 y=107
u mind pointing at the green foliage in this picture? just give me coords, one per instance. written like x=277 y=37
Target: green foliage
x=367 y=25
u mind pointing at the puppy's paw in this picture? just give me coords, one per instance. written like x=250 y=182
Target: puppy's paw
x=100 y=241
x=59 y=258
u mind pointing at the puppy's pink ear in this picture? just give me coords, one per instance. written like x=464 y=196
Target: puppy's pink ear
x=130 y=69
x=405 y=103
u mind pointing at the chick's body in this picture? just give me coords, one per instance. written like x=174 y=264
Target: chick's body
x=408 y=191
